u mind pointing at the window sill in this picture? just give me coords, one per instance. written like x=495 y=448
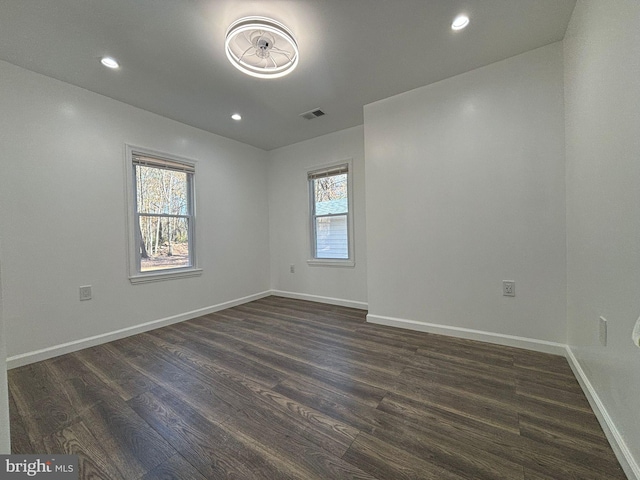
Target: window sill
x=160 y=276
x=330 y=262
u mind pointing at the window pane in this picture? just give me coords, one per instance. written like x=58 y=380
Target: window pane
x=164 y=243
x=330 y=195
x=161 y=191
x=331 y=237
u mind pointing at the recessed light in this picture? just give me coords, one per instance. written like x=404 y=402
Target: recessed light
x=109 y=62
x=236 y=116
x=460 y=22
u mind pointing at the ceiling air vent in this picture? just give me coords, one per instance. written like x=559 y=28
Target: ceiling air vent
x=311 y=114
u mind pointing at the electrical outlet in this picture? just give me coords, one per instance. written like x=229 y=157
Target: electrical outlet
x=603 y=331
x=508 y=288
x=292 y=268
x=635 y=336
x=85 y=292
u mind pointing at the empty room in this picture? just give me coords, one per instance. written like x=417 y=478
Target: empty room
x=320 y=239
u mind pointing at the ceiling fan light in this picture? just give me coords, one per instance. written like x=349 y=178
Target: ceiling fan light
x=261 y=47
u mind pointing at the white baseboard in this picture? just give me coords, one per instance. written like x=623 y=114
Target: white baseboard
x=619 y=446
x=480 y=335
x=50 y=352
x=317 y=298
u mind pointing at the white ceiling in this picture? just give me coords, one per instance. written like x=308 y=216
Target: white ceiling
x=352 y=52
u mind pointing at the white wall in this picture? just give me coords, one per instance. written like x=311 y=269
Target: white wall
x=63 y=215
x=289 y=219
x=602 y=91
x=465 y=188
x=5 y=438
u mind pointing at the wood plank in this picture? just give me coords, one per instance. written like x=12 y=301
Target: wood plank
x=564 y=463
x=493 y=411
x=291 y=450
x=385 y=461
x=481 y=368
x=286 y=350
x=130 y=443
x=39 y=401
x=20 y=442
x=323 y=310
x=549 y=379
x=542 y=362
x=316 y=427
x=465 y=350
x=338 y=406
x=176 y=468
x=115 y=372
x=442 y=417
x=79 y=384
x=333 y=358
x=461 y=383
x=563 y=415
x=235 y=361
x=299 y=332
x=93 y=460
x=459 y=453
x=350 y=385
x=557 y=396
x=472 y=438
x=214 y=401
x=212 y=450
x=559 y=435
x=332 y=435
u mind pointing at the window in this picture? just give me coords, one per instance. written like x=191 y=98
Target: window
x=161 y=216
x=331 y=224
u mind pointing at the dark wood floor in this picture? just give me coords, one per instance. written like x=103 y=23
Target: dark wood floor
x=286 y=389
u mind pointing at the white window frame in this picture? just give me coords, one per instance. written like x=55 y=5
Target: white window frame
x=135 y=275
x=331 y=262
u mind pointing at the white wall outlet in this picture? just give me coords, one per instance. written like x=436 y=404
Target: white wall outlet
x=603 y=331
x=508 y=288
x=635 y=335
x=292 y=268
x=85 y=292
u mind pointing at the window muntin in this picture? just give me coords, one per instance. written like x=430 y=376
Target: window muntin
x=162 y=217
x=330 y=214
